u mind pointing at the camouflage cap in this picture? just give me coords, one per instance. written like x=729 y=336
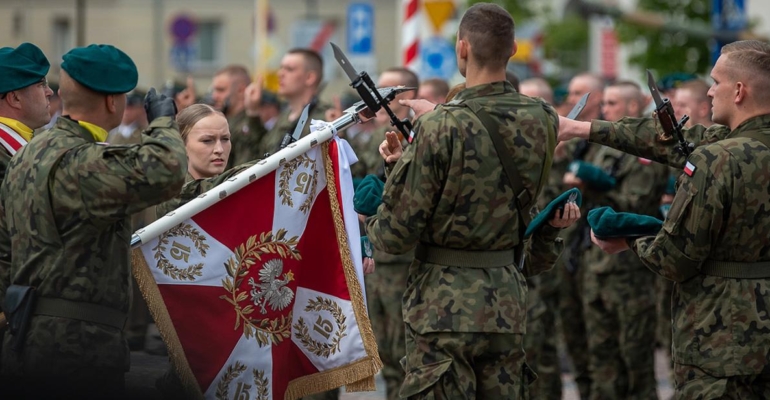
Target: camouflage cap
x=21 y=66
x=102 y=68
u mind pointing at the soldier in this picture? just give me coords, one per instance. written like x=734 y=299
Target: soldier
x=386 y=286
x=300 y=78
x=543 y=295
x=618 y=294
x=65 y=230
x=577 y=239
x=24 y=98
x=714 y=243
x=434 y=90
x=464 y=306
x=24 y=106
x=229 y=96
x=691 y=99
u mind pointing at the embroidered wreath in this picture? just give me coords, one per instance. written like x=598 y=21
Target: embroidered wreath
x=169 y=269
x=265 y=330
x=301 y=331
x=284 y=183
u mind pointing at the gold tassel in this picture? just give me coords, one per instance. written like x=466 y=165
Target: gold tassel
x=160 y=315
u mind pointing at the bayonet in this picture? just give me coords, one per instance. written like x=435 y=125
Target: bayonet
x=667 y=118
x=578 y=107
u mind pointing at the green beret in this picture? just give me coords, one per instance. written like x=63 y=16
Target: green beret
x=21 y=67
x=368 y=195
x=550 y=210
x=606 y=223
x=592 y=175
x=102 y=68
x=664 y=209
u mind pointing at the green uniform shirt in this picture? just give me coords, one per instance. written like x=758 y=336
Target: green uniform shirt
x=721 y=211
x=65 y=229
x=448 y=190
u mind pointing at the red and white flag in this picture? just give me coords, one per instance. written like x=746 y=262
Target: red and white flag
x=260 y=295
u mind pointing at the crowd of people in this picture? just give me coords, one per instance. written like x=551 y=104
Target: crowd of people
x=462 y=301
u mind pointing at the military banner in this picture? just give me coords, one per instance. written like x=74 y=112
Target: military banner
x=260 y=295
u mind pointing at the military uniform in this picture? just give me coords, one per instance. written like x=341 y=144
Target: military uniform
x=272 y=139
x=713 y=245
x=246 y=133
x=67 y=204
x=571 y=270
x=618 y=298
x=541 y=339
x=366 y=145
x=465 y=303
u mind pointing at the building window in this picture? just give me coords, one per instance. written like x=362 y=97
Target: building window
x=208 y=45
x=63 y=39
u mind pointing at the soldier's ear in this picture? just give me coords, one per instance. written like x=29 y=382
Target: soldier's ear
x=515 y=48
x=109 y=101
x=740 y=92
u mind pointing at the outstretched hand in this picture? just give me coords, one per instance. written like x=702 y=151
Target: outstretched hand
x=420 y=106
x=390 y=148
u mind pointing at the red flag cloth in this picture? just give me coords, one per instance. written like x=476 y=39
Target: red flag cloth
x=260 y=295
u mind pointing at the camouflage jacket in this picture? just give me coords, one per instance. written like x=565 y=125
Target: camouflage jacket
x=721 y=212
x=449 y=190
x=366 y=145
x=65 y=230
x=272 y=139
x=246 y=133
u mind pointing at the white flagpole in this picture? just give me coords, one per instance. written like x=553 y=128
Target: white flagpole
x=350 y=116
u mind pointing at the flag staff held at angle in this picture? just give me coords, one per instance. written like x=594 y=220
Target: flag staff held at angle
x=357 y=113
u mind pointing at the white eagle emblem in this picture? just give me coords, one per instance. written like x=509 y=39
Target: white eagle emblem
x=272 y=290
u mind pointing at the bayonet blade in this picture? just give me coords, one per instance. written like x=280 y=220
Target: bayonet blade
x=301 y=122
x=344 y=63
x=654 y=90
x=578 y=107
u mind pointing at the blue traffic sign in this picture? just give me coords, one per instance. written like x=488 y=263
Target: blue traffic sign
x=360 y=23
x=438 y=58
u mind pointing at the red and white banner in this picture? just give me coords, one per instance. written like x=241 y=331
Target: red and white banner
x=261 y=295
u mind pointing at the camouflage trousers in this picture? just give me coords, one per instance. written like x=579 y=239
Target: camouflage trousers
x=455 y=365
x=620 y=316
x=692 y=383
x=540 y=341
x=384 y=294
x=573 y=323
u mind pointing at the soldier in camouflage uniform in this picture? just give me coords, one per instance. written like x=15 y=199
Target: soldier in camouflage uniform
x=714 y=243
x=577 y=241
x=24 y=105
x=386 y=286
x=618 y=298
x=228 y=95
x=66 y=227
x=300 y=76
x=541 y=340
x=465 y=304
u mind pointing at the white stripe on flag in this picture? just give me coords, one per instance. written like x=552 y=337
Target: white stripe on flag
x=254 y=357
x=299 y=187
x=345 y=154
x=181 y=250
x=351 y=348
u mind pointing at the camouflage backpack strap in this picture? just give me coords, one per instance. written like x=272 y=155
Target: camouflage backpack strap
x=523 y=197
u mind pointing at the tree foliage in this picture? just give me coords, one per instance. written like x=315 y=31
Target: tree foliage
x=667 y=51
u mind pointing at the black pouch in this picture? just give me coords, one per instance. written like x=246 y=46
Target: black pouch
x=20 y=305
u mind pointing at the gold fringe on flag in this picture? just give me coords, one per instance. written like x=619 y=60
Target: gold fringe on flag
x=160 y=315
x=360 y=372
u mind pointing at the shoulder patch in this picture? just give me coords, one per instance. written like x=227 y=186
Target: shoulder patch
x=689 y=168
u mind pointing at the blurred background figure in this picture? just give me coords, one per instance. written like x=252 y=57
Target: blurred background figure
x=433 y=90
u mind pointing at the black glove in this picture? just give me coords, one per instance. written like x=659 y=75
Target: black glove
x=158 y=105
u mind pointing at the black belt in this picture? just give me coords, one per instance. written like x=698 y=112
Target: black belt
x=464 y=258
